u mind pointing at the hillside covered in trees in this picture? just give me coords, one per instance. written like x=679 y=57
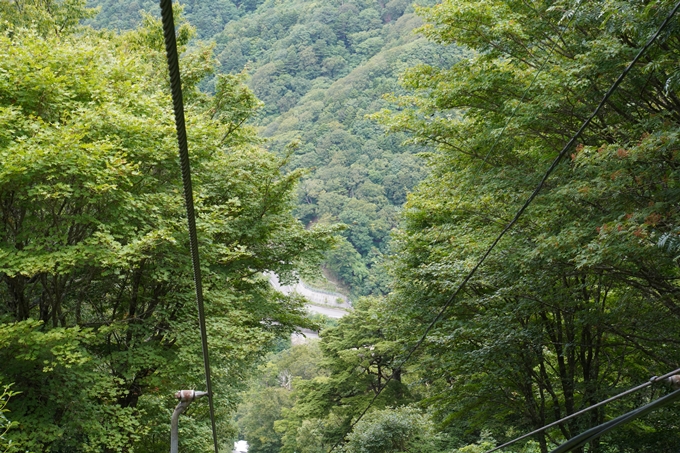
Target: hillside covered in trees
x=320 y=69
x=578 y=303
x=423 y=130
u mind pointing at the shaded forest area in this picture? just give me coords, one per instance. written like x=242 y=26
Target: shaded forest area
x=579 y=302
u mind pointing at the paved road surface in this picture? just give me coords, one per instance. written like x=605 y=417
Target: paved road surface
x=312 y=295
x=321 y=302
x=299 y=338
x=328 y=311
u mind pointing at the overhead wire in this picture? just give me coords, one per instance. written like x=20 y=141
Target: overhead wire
x=653 y=380
x=518 y=214
x=597 y=431
x=178 y=106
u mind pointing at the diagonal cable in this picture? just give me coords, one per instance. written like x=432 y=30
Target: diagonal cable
x=593 y=433
x=653 y=380
x=519 y=213
x=178 y=105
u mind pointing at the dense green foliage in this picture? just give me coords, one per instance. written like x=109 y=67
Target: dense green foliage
x=280 y=414
x=580 y=301
x=393 y=430
x=6 y=445
x=320 y=68
x=273 y=392
x=98 y=323
x=209 y=18
x=358 y=358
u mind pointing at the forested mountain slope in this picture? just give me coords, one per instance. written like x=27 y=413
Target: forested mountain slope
x=320 y=68
x=577 y=303
x=209 y=18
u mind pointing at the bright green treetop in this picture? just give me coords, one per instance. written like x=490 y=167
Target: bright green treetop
x=98 y=315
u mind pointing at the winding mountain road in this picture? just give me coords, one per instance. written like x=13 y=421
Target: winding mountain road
x=333 y=305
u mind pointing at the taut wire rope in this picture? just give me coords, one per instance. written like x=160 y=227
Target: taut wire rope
x=178 y=105
x=653 y=380
x=597 y=431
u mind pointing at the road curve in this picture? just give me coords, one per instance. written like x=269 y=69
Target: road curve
x=320 y=302
x=331 y=312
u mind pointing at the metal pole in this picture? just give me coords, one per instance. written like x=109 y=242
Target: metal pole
x=185 y=398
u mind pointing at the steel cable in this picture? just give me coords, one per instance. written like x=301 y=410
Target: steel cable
x=597 y=431
x=653 y=380
x=178 y=105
